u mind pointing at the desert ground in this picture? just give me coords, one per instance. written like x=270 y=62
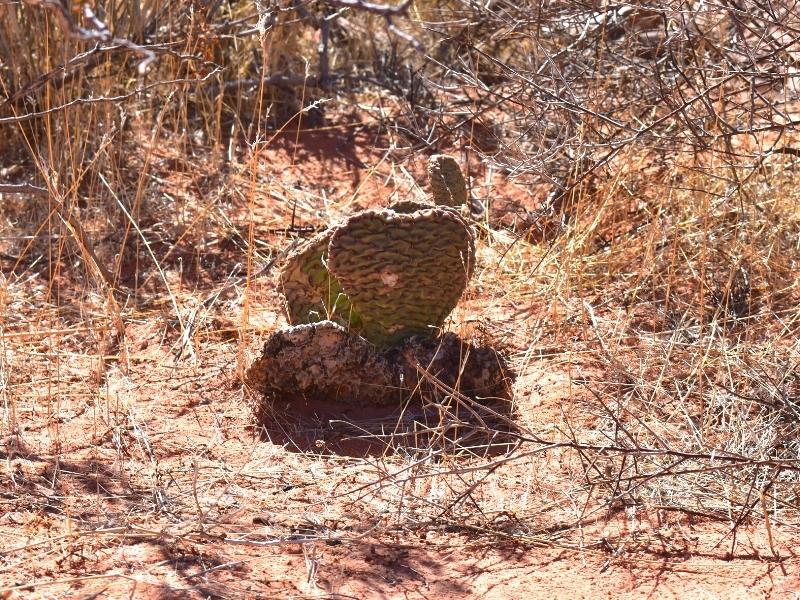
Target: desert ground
x=636 y=221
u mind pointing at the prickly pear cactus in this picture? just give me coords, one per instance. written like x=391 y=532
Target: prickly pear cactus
x=403 y=272
x=367 y=300
x=448 y=187
x=312 y=292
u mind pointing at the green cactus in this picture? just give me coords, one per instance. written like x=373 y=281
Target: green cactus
x=387 y=274
x=448 y=187
x=312 y=292
x=403 y=272
x=367 y=299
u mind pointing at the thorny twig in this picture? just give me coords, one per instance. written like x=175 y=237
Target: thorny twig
x=385 y=10
x=98 y=33
x=105 y=99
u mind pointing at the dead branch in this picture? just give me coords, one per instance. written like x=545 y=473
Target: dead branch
x=99 y=32
x=78 y=232
x=383 y=10
x=104 y=99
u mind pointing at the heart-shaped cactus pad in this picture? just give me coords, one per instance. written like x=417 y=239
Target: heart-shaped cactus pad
x=403 y=272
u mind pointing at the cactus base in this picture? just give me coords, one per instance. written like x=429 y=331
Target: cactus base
x=323 y=362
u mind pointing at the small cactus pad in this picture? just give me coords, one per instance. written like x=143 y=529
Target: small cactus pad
x=403 y=272
x=312 y=293
x=448 y=187
x=322 y=361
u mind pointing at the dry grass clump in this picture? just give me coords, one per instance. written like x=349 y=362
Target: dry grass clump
x=690 y=301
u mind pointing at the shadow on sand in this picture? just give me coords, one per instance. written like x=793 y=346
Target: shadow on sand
x=420 y=425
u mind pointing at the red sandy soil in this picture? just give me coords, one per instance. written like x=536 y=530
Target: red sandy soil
x=133 y=474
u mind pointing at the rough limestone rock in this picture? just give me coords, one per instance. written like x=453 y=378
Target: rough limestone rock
x=323 y=363
x=403 y=272
x=478 y=372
